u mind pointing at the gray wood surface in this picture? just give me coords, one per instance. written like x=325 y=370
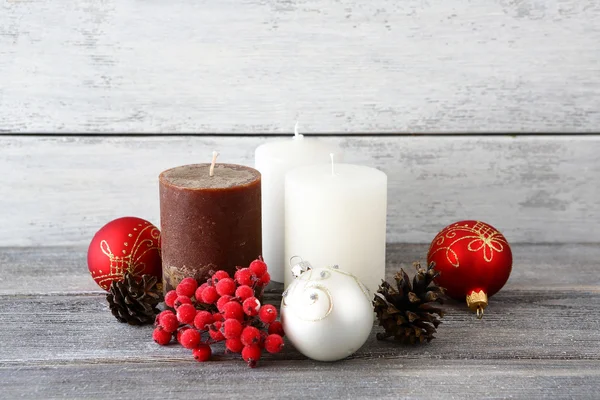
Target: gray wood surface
x=539 y=339
x=255 y=66
x=61 y=190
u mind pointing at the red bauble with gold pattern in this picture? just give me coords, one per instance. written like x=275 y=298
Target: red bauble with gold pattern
x=125 y=244
x=474 y=261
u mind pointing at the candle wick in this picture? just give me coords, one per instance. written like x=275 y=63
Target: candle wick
x=211 y=171
x=332 y=168
x=296 y=134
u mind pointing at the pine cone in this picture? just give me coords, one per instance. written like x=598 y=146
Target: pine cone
x=134 y=301
x=406 y=312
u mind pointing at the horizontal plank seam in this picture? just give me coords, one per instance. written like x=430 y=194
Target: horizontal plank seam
x=317 y=134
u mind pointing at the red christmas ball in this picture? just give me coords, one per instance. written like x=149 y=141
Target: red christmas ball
x=125 y=244
x=474 y=261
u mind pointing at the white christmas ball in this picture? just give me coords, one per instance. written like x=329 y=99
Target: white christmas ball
x=327 y=314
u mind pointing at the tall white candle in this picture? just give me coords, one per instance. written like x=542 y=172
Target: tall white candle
x=273 y=160
x=336 y=214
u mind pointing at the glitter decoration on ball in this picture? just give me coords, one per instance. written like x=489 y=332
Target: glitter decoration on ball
x=474 y=260
x=222 y=309
x=127 y=244
x=326 y=312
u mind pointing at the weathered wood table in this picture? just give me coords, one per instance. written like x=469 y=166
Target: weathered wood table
x=540 y=337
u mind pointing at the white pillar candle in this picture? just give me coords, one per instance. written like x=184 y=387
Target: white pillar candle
x=273 y=160
x=336 y=214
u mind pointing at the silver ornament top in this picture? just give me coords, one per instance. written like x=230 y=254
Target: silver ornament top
x=300 y=267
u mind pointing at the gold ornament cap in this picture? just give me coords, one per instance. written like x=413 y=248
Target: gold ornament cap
x=477 y=301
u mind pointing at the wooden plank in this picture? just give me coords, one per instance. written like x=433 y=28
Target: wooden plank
x=60 y=190
x=378 y=378
x=539 y=339
x=557 y=325
x=543 y=267
x=258 y=65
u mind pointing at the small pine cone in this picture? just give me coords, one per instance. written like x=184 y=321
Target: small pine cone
x=134 y=301
x=406 y=312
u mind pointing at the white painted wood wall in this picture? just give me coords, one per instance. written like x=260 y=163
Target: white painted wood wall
x=81 y=79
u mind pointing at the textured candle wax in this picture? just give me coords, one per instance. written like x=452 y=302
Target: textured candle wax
x=274 y=160
x=208 y=222
x=337 y=218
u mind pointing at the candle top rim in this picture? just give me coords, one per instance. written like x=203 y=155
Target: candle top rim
x=196 y=176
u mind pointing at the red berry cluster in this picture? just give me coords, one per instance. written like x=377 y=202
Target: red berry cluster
x=222 y=309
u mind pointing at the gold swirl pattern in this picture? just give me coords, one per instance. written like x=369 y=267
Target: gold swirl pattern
x=482 y=238
x=132 y=262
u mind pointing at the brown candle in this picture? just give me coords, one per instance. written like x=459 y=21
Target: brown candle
x=208 y=222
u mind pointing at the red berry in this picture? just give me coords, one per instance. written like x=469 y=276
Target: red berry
x=218 y=317
x=245 y=276
x=251 y=354
x=243 y=292
x=215 y=331
x=190 y=339
x=258 y=267
x=251 y=306
x=276 y=328
x=185 y=290
x=180 y=332
x=189 y=281
x=186 y=313
x=273 y=343
x=222 y=301
x=202 y=353
x=225 y=287
x=231 y=328
x=198 y=292
x=267 y=313
x=233 y=309
x=217 y=276
x=234 y=345
x=202 y=319
x=265 y=279
x=181 y=300
x=160 y=315
x=187 y=287
x=170 y=298
x=209 y=295
x=250 y=336
x=161 y=336
x=168 y=322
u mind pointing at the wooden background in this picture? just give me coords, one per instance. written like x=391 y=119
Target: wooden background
x=535 y=189
x=340 y=66
x=110 y=88
x=484 y=109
